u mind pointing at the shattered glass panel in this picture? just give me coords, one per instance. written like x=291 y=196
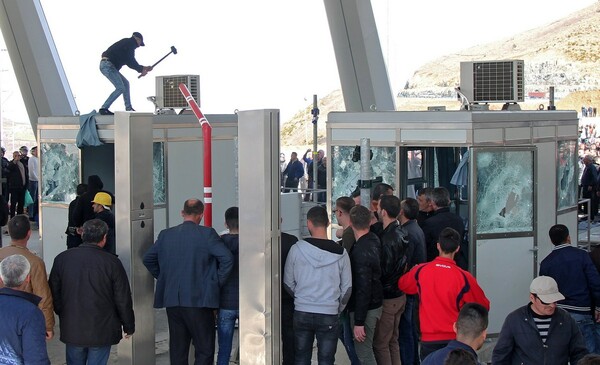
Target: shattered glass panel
x=60 y=172
x=566 y=184
x=345 y=173
x=504 y=191
x=158 y=173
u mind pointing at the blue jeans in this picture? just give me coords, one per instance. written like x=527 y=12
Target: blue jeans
x=119 y=81
x=347 y=338
x=588 y=329
x=408 y=337
x=325 y=327
x=87 y=355
x=225 y=330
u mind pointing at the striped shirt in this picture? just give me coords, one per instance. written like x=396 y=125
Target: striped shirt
x=542 y=323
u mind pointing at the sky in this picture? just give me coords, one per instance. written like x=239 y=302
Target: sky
x=263 y=53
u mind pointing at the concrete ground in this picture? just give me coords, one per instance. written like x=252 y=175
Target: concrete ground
x=56 y=349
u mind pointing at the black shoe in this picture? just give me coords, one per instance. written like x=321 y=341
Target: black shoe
x=105 y=112
x=130 y=110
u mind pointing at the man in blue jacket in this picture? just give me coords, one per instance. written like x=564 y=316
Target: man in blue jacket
x=578 y=280
x=22 y=328
x=190 y=263
x=471 y=331
x=116 y=56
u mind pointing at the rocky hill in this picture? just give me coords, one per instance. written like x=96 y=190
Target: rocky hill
x=564 y=54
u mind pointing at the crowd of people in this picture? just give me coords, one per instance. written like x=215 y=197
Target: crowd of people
x=298 y=174
x=20 y=187
x=392 y=286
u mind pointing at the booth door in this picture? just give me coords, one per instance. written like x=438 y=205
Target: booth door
x=503 y=219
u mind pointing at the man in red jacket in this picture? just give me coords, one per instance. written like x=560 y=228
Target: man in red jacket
x=443 y=289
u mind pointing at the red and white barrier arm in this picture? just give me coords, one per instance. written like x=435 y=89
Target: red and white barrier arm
x=207 y=139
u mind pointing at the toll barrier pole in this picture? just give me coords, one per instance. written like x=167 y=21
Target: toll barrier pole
x=207 y=139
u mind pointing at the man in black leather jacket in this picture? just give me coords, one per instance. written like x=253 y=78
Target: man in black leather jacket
x=367 y=297
x=395 y=254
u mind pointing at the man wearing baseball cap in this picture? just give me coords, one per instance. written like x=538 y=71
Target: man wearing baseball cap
x=116 y=56
x=540 y=332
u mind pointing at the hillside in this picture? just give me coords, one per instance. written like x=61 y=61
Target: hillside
x=564 y=54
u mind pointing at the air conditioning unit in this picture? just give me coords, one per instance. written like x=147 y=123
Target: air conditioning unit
x=492 y=81
x=168 y=94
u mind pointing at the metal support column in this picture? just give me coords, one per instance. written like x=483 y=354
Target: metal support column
x=135 y=229
x=363 y=74
x=258 y=147
x=39 y=71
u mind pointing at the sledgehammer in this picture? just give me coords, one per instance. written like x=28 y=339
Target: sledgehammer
x=173 y=51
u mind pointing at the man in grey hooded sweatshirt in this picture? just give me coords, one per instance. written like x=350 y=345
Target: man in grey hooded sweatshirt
x=317 y=274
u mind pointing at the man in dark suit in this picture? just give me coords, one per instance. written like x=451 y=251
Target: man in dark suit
x=191 y=263
x=589 y=184
x=443 y=218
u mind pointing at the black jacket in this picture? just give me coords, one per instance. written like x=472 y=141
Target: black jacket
x=15 y=179
x=416 y=239
x=395 y=254
x=91 y=296
x=434 y=225
x=367 y=291
x=520 y=342
x=123 y=53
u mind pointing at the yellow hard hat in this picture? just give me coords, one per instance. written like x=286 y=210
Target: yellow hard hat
x=103 y=199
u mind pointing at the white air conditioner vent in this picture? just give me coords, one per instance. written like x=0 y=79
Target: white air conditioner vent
x=492 y=81
x=168 y=94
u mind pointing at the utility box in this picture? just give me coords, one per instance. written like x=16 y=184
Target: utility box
x=492 y=81
x=168 y=94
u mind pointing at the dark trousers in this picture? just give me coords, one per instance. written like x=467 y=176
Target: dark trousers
x=191 y=324
x=429 y=347
x=593 y=201
x=287 y=333
x=17 y=200
x=408 y=338
x=325 y=328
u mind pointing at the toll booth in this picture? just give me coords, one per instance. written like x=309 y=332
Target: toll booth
x=511 y=175
x=152 y=163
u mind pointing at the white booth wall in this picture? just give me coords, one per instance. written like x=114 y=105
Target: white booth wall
x=181 y=138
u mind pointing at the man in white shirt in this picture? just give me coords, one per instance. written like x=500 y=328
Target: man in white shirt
x=33 y=166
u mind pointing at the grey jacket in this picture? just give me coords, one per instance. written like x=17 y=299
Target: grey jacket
x=520 y=342
x=317 y=274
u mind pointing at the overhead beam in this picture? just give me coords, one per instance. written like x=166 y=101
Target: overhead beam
x=363 y=73
x=41 y=77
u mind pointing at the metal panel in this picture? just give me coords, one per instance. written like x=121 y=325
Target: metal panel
x=184 y=159
x=523 y=133
x=433 y=136
x=363 y=73
x=55 y=240
x=567 y=131
x=504 y=272
x=546 y=188
x=135 y=229
x=58 y=134
x=259 y=329
x=488 y=135
x=544 y=132
x=382 y=135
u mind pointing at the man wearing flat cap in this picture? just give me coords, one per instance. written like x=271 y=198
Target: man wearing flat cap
x=540 y=332
x=116 y=56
